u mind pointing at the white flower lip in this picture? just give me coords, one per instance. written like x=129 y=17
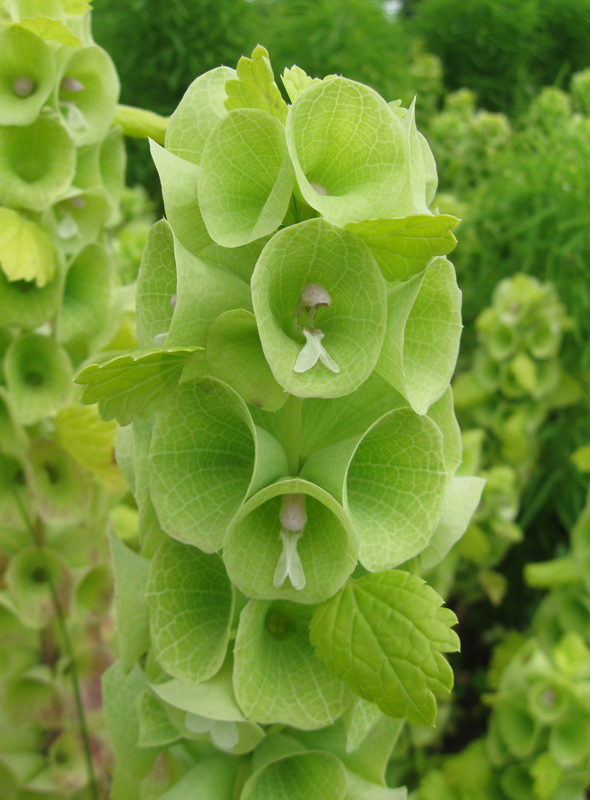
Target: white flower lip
x=290 y=565
x=314 y=351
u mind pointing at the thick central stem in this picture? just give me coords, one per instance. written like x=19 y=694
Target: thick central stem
x=292 y=433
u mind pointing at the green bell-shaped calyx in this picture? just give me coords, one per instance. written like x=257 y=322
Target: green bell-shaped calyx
x=37 y=163
x=324 y=346
x=374 y=476
x=86 y=94
x=199 y=111
x=27 y=71
x=245 y=177
x=206 y=456
x=423 y=332
x=39 y=377
x=350 y=153
x=277 y=677
x=189 y=643
x=290 y=541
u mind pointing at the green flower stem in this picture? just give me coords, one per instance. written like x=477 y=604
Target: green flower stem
x=548 y=574
x=292 y=433
x=37 y=536
x=139 y=123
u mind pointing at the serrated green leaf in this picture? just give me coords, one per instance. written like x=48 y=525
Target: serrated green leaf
x=134 y=386
x=51 y=29
x=131 y=577
x=255 y=87
x=296 y=80
x=384 y=635
x=403 y=247
x=26 y=251
x=191 y=605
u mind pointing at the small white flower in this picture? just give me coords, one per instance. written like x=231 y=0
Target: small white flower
x=223 y=734
x=289 y=565
x=23 y=86
x=313 y=350
x=68 y=227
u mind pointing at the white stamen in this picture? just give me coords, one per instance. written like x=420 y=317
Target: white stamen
x=68 y=227
x=313 y=350
x=71 y=84
x=289 y=565
x=173 y=301
x=160 y=339
x=23 y=86
x=317 y=187
x=293 y=516
x=223 y=734
x=77 y=202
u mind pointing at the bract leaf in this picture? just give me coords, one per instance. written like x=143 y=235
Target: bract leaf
x=423 y=176
x=131 y=577
x=350 y=153
x=135 y=385
x=421 y=344
x=317 y=252
x=403 y=247
x=191 y=606
x=360 y=789
x=197 y=114
x=26 y=251
x=213 y=777
x=296 y=80
x=303 y=776
x=391 y=633
x=255 y=87
x=13 y=437
x=50 y=29
x=206 y=456
x=245 y=178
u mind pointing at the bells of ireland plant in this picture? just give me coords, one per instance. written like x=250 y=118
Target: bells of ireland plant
x=288 y=430
x=62 y=164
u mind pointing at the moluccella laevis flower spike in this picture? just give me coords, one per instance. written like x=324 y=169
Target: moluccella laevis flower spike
x=289 y=432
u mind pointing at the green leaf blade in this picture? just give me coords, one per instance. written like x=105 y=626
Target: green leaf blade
x=384 y=636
